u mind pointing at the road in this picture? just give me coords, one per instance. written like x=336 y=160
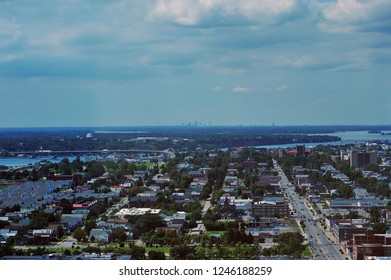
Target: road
x=64 y=244
x=322 y=247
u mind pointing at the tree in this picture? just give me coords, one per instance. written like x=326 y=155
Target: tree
x=60 y=232
x=67 y=252
x=79 y=234
x=137 y=252
x=118 y=234
x=266 y=252
x=6 y=250
x=146 y=223
x=290 y=244
x=156 y=255
x=352 y=215
x=375 y=214
x=88 y=225
x=38 y=222
x=302 y=224
x=182 y=252
x=380 y=228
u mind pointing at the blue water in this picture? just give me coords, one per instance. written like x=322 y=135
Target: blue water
x=21 y=161
x=347 y=137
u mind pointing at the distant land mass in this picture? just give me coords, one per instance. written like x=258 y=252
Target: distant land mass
x=167 y=137
x=189 y=129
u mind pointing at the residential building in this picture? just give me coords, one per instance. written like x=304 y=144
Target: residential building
x=371 y=245
x=276 y=209
x=355 y=203
x=98 y=234
x=143 y=201
x=360 y=159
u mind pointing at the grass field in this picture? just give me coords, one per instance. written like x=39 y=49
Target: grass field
x=3 y=187
x=164 y=249
x=145 y=165
x=307 y=253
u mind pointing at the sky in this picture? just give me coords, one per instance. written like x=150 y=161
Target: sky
x=173 y=62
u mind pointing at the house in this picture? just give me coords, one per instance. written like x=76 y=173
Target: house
x=313 y=198
x=40 y=236
x=259 y=233
x=143 y=174
x=19 y=224
x=136 y=212
x=147 y=193
x=98 y=234
x=85 y=204
x=198 y=174
x=199 y=229
x=83 y=212
x=268 y=180
x=143 y=202
x=355 y=203
x=178 y=196
x=101 y=198
x=154 y=188
x=161 y=178
x=72 y=221
x=6 y=235
x=175 y=222
x=75 y=178
x=360 y=193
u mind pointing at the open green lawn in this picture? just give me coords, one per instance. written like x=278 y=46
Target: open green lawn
x=307 y=253
x=294 y=224
x=3 y=187
x=164 y=249
x=145 y=165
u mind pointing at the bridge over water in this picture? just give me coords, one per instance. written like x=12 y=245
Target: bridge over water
x=79 y=153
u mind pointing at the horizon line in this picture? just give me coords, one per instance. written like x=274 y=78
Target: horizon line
x=194 y=126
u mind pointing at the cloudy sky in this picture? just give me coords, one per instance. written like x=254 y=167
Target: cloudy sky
x=218 y=62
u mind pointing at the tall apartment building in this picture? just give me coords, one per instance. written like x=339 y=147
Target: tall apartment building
x=360 y=159
x=300 y=150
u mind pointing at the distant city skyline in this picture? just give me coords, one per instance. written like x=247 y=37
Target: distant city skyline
x=170 y=62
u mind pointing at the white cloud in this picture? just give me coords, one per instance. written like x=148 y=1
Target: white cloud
x=8 y=32
x=182 y=12
x=217 y=88
x=302 y=61
x=282 y=88
x=240 y=89
x=345 y=16
x=277 y=89
x=225 y=12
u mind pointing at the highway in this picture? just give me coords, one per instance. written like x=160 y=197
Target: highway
x=322 y=247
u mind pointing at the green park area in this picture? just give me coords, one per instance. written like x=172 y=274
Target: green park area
x=2 y=187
